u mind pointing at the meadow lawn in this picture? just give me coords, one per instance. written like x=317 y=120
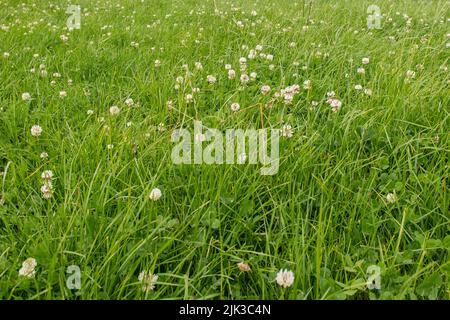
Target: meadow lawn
x=87 y=121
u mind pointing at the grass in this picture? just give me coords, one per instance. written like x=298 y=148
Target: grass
x=325 y=215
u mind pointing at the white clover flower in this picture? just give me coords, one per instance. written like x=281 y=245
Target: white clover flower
x=231 y=74
x=36 y=130
x=114 y=110
x=90 y=112
x=358 y=87
x=410 y=74
x=288 y=98
x=110 y=146
x=258 y=47
x=198 y=66
x=148 y=281
x=287 y=131
x=64 y=38
x=235 y=106
x=294 y=89
x=155 y=194
x=244 y=267
x=26 y=96
x=47 y=175
x=62 y=94
x=179 y=79
x=269 y=57
x=365 y=60
x=253 y=76
x=6 y=55
x=157 y=63
x=169 y=105
x=285 y=278
x=244 y=78
x=189 y=98
x=44 y=155
x=368 y=91
x=28 y=267
x=129 y=102
x=271 y=67
x=391 y=198
x=265 y=89
x=227 y=66
x=242 y=60
x=307 y=84
x=211 y=79
x=161 y=127
x=46 y=190
x=361 y=70
x=335 y=104
x=252 y=54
